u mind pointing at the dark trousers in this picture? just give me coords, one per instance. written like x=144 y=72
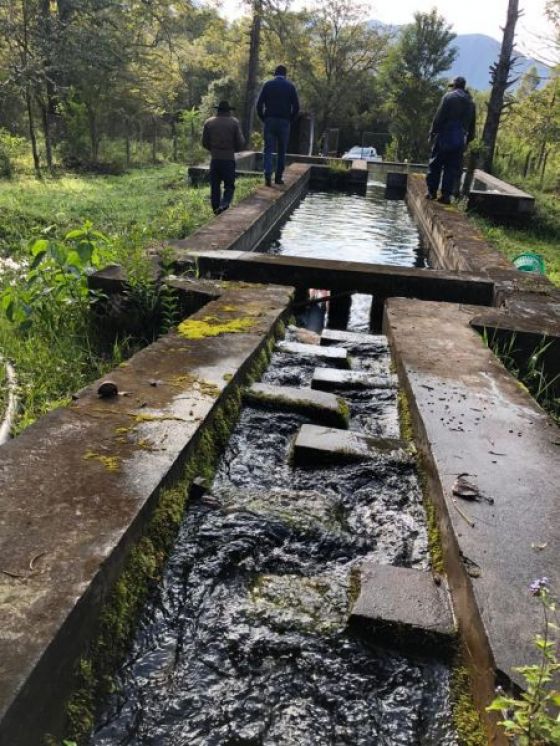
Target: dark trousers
x=221 y=171
x=276 y=136
x=449 y=162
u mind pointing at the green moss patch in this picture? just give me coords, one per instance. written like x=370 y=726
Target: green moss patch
x=466 y=719
x=211 y=326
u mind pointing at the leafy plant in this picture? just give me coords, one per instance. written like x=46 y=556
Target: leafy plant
x=56 y=278
x=532 y=372
x=531 y=719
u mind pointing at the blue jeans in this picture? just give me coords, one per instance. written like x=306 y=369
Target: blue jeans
x=450 y=162
x=276 y=135
x=221 y=170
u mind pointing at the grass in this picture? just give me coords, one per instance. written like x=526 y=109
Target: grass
x=540 y=235
x=140 y=208
x=154 y=203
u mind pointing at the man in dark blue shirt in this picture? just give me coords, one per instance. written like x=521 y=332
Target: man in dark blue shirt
x=451 y=131
x=277 y=107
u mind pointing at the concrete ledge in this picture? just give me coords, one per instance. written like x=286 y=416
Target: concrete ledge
x=325 y=409
x=471 y=416
x=331 y=379
x=375 y=279
x=78 y=488
x=242 y=228
x=336 y=356
x=404 y=608
x=454 y=242
x=492 y=196
x=315 y=443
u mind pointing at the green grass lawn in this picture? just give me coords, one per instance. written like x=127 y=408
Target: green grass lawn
x=149 y=203
x=540 y=235
x=142 y=207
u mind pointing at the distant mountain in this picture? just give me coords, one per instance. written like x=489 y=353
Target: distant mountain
x=476 y=52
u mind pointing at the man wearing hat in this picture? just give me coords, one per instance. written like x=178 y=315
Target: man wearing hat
x=277 y=107
x=222 y=136
x=452 y=129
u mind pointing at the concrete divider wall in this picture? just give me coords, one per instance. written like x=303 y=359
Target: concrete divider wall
x=244 y=227
x=471 y=417
x=78 y=490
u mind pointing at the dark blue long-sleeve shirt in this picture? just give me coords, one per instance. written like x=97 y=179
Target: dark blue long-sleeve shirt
x=278 y=98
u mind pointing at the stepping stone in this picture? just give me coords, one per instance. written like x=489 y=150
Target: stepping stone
x=336 y=336
x=403 y=607
x=336 y=356
x=327 y=409
x=315 y=443
x=330 y=379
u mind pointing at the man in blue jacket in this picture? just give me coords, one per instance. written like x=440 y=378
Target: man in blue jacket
x=277 y=107
x=452 y=129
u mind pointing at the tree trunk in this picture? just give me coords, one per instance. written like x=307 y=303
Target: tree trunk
x=252 y=71
x=127 y=142
x=154 y=140
x=500 y=83
x=543 y=170
x=32 y=136
x=175 y=155
x=93 y=134
x=45 y=120
x=527 y=164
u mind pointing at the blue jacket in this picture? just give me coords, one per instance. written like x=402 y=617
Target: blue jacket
x=278 y=98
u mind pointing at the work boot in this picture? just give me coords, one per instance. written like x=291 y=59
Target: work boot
x=279 y=180
x=444 y=200
x=268 y=179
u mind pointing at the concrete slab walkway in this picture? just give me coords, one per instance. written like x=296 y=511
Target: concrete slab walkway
x=472 y=417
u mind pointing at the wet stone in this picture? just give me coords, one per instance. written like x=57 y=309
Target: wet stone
x=331 y=379
x=403 y=604
x=315 y=443
x=337 y=357
x=319 y=406
x=338 y=337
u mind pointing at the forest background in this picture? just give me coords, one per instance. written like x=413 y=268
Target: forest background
x=101 y=84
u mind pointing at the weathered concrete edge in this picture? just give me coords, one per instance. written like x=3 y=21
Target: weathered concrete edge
x=264 y=209
x=474 y=643
x=469 y=604
x=80 y=626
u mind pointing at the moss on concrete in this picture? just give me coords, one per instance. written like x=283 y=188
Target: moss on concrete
x=405 y=418
x=145 y=562
x=344 y=410
x=111 y=463
x=434 y=536
x=466 y=719
x=212 y=326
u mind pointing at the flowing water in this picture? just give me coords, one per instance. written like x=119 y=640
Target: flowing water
x=354 y=228
x=246 y=643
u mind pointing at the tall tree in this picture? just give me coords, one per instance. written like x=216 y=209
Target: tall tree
x=252 y=70
x=412 y=78
x=501 y=81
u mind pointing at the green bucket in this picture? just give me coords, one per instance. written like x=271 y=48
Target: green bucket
x=530 y=262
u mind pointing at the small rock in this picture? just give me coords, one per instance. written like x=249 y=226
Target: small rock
x=107 y=389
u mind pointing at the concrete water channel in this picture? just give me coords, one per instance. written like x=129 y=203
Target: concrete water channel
x=211 y=560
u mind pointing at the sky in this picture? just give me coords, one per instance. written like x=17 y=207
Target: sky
x=466 y=16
